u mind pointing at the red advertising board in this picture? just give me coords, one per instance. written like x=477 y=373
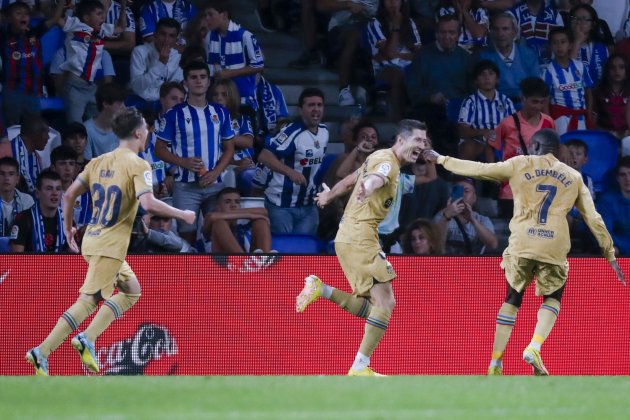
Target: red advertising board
x=205 y=315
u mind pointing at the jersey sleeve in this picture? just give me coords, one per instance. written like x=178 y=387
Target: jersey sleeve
x=253 y=51
x=84 y=176
x=594 y=221
x=467 y=111
x=282 y=144
x=227 y=133
x=165 y=128
x=246 y=126
x=381 y=166
x=146 y=22
x=142 y=177
x=500 y=171
x=131 y=21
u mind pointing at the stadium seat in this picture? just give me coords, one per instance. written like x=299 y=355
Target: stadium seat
x=4 y=244
x=244 y=181
x=295 y=243
x=603 y=151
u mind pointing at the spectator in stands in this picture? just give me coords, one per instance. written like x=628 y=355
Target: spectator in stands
x=614 y=206
x=40 y=229
x=171 y=94
x=233 y=52
x=603 y=30
x=570 y=84
x=422 y=237
x=515 y=60
x=75 y=137
x=150 y=13
x=64 y=162
x=227 y=235
x=582 y=240
x=473 y=18
x=122 y=43
x=514 y=132
x=481 y=113
x=225 y=93
x=611 y=98
x=84 y=54
x=33 y=137
x=192 y=52
x=587 y=44
x=366 y=139
x=345 y=27
x=294 y=156
x=196 y=31
x=346 y=136
x=157 y=236
x=21 y=57
x=309 y=17
x=536 y=20
x=201 y=151
x=438 y=75
x=395 y=41
x=467 y=232
x=155 y=63
x=101 y=139
x=13 y=200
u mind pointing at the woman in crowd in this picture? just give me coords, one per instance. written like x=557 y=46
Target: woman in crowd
x=611 y=109
x=422 y=238
x=587 y=45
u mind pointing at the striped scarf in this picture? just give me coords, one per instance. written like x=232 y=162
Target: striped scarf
x=39 y=234
x=30 y=166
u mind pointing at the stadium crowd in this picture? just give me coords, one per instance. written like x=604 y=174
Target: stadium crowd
x=485 y=75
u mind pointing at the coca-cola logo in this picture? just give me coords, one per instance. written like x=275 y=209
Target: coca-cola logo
x=132 y=355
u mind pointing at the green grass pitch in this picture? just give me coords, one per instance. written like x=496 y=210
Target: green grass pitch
x=312 y=397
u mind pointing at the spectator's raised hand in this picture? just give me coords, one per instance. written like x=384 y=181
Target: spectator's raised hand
x=454 y=208
x=365 y=146
x=165 y=53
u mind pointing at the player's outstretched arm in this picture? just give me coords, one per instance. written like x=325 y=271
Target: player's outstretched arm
x=160 y=208
x=342 y=187
x=69 y=198
x=368 y=186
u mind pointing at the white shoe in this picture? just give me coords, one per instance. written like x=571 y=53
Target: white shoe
x=346 y=98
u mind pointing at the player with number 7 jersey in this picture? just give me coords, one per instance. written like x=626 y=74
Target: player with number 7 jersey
x=117 y=181
x=545 y=190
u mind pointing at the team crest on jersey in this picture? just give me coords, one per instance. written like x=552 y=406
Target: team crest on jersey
x=148 y=178
x=215 y=118
x=15 y=230
x=309 y=152
x=235 y=125
x=77 y=205
x=87 y=39
x=384 y=168
x=16 y=55
x=161 y=124
x=281 y=138
x=388 y=203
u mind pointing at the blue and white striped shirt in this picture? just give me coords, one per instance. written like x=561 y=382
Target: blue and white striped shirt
x=30 y=164
x=535 y=29
x=466 y=39
x=303 y=151
x=568 y=85
x=375 y=37
x=236 y=50
x=242 y=126
x=482 y=113
x=195 y=132
x=113 y=14
x=595 y=54
x=181 y=10
x=158 y=166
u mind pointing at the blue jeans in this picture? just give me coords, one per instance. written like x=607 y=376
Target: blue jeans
x=300 y=220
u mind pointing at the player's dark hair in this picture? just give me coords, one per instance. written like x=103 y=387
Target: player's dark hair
x=577 y=143
x=9 y=161
x=485 y=65
x=166 y=87
x=126 y=121
x=74 y=129
x=220 y=6
x=405 y=127
x=62 y=153
x=150 y=116
x=548 y=140
x=195 y=65
x=109 y=93
x=15 y=6
x=168 y=23
x=308 y=92
x=228 y=190
x=561 y=30
x=32 y=124
x=534 y=86
x=623 y=162
x=46 y=174
x=86 y=7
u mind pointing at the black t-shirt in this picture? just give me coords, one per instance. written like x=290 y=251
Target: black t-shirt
x=22 y=232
